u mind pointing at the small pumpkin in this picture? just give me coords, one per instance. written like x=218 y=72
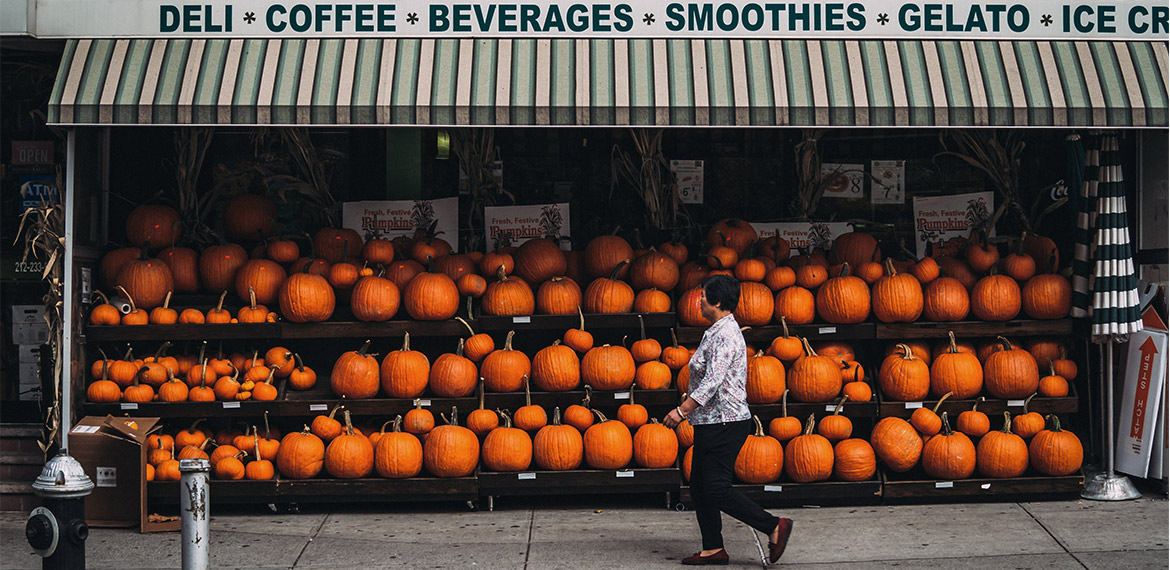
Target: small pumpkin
x=508 y=297
x=973 y=422
x=928 y=422
x=1053 y=385
x=530 y=417
x=836 y=427
x=579 y=339
x=1027 y=424
x=675 y=356
x=259 y=469
x=477 y=346
x=633 y=414
x=785 y=347
x=580 y=415
x=784 y=427
x=326 y=426
x=418 y=421
x=482 y=420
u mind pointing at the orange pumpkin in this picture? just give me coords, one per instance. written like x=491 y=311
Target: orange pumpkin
x=504 y=370
x=404 y=373
x=608 y=368
x=814 y=378
x=355 y=374
x=844 y=299
x=808 y=457
x=897 y=297
x=760 y=459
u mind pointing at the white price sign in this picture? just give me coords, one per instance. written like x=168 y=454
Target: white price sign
x=843 y=180
x=889 y=180
x=688 y=175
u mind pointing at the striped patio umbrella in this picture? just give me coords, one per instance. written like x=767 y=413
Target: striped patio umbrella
x=1104 y=284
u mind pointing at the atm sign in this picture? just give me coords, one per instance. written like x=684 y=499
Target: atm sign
x=30 y=153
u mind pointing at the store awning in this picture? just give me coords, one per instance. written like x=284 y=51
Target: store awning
x=611 y=82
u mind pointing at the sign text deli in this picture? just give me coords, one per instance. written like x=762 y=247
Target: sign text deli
x=869 y=19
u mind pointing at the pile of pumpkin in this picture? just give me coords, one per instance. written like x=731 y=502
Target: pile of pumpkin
x=234 y=455
x=910 y=372
x=850 y=282
x=805 y=454
x=196 y=378
x=1024 y=441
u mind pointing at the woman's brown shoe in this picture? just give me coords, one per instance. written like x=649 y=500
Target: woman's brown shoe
x=776 y=549
x=697 y=559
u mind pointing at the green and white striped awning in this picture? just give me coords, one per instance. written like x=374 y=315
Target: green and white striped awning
x=611 y=82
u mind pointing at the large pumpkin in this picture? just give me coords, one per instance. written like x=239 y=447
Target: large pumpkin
x=853 y=460
x=337 y=244
x=654 y=269
x=996 y=298
x=184 y=263
x=558 y=296
x=688 y=308
x=606 y=252
x=957 y=372
x=350 y=455
x=655 y=446
x=949 y=455
x=732 y=233
x=264 y=276
x=558 y=447
x=904 y=377
x=504 y=370
x=301 y=455
x=404 y=373
x=451 y=450
x=355 y=374
x=508 y=297
x=538 y=260
x=608 y=368
x=844 y=299
x=453 y=375
x=897 y=297
x=1010 y=373
x=946 y=299
x=374 y=299
x=1002 y=454
x=1047 y=296
x=608 y=444
x=609 y=295
x=1055 y=452
x=156 y=224
x=249 y=217
x=146 y=280
x=306 y=298
x=795 y=305
x=855 y=248
x=556 y=368
x=507 y=448
x=896 y=443
x=765 y=379
x=218 y=265
x=808 y=457
x=398 y=455
x=760 y=459
x=814 y=378
x=756 y=305
x=431 y=296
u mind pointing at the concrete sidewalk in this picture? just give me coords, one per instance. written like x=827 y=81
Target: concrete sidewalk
x=607 y=532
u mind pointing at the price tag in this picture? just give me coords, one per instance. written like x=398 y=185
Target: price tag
x=1016 y=403
x=130 y=406
x=827 y=330
x=526 y=476
x=231 y=405
x=913 y=405
x=318 y=407
x=85 y=429
x=830 y=408
x=985 y=486
x=521 y=320
x=944 y=485
x=773 y=488
x=621 y=395
x=424 y=403
x=625 y=474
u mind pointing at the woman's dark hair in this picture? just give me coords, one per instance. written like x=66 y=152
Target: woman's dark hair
x=722 y=290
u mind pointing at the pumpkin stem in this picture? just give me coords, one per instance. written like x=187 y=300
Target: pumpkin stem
x=298 y=363
x=1028 y=400
x=907 y=352
x=1051 y=368
x=504 y=414
x=362 y=351
x=600 y=415
x=267 y=430
x=588 y=395
x=954 y=347
x=808 y=425
x=642 y=326
x=348 y=424
x=613 y=275
x=784 y=404
x=271 y=373
x=397 y=424
x=527 y=393
x=808 y=349
x=631 y=395
x=167 y=300
x=508 y=340
x=459 y=347
x=840 y=405
x=784 y=326
x=673 y=338
x=133 y=308
x=194 y=424
x=454 y=416
x=105 y=299
x=582 y=315
x=469 y=317
x=500 y=275
x=163 y=348
x=1007 y=345
x=759 y=426
x=1007 y=422
x=946 y=425
x=890 y=267
x=256 y=444
x=251 y=296
x=219 y=307
x=556 y=416
x=480 y=389
x=460 y=319
x=418 y=404
x=844 y=269
x=406 y=341
x=1055 y=421
x=202 y=351
x=940 y=401
x=977 y=402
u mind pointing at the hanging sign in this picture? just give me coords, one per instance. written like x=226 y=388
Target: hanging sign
x=803 y=235
x=843 y=180
x=38 y=190
x=522 y=223
x=688 y=176
x=393 y=218
x=889 y=179
x=893 y=19
x=941 y=219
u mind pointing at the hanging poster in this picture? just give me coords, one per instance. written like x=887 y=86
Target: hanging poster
x=843 y=180
x=803 y=235
x=522 y=223
x=889 y=179
x=940 y=219
x=393 y=218
x=689 y=177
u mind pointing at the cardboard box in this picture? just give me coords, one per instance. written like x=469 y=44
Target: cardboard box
x=29 y=385
x=112 y=451
x=29 y=353
x=28 y=325
x=1140 y=406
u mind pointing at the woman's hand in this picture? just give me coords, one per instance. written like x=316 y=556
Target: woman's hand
x=672 y=419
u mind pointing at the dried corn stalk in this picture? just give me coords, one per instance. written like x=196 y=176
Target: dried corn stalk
x=191 y=145
x=477 y=153
x=999 y=155
x=42 y=228
x=810 y=184
x=648 y=173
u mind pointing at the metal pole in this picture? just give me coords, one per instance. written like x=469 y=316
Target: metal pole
x=66 y=393
x=194 y=500
x=1109 y=443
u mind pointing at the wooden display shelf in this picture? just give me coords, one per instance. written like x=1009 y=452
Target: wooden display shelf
x=783 y=494
x=629 y=321
x=313 y=403
x=246 y=409
x=580 y=481
x=915 y=485
x=183 y=332
x=994 y=408
x=802 y=410
x=765 y=334
x=358 y=329
x=967 y=329
x=327 y=490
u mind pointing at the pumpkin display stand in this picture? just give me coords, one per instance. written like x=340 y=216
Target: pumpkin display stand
x=990 y=406
x=916 y=486
x=578 y=482
x=328 y=490
x=968 y=329
x=815 y=332
x=789 y=494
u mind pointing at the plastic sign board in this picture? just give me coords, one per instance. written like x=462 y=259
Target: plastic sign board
x=1141 y=397
x=803 y=235
x=1103 y=20
x=522 y=223
x=940 y=219
x=393 y=218
x=889 y=180
x=688 y=176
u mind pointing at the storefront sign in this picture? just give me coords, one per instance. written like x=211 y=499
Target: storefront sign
x=522 y=223
x=940 y=219
x=38 y=190
x=895 y=19
x=1141 y=399
x=803 y=235
x=32 y=153
x=393 y=218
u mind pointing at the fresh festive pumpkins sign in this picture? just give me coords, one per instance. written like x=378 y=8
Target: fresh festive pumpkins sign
x=939 y=220
x=517 y=224
x=803 y=235
x=392 y=218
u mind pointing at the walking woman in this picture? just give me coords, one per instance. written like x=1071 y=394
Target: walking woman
x=717 y=408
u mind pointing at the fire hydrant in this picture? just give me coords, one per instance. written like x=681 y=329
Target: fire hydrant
x=57 y=529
